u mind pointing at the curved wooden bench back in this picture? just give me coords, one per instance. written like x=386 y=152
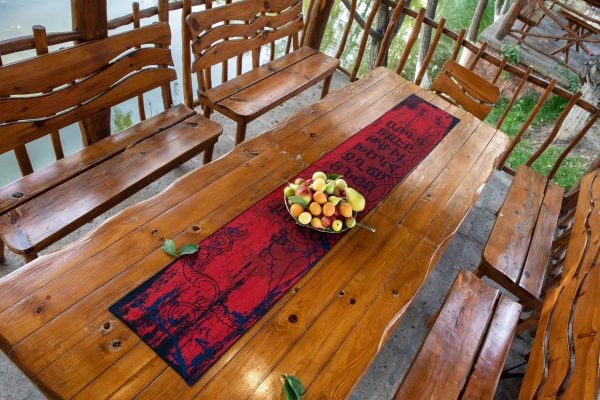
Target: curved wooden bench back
x=564 y=359
x=51 y=91
x=224 y=32
x=467 y=89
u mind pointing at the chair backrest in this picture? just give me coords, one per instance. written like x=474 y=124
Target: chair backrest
x=51 y=91
x=464 y=87
x=221 y=33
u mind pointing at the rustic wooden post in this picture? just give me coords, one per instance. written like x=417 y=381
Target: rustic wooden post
x=317 y=22
x=90 y=19
x=510 y=18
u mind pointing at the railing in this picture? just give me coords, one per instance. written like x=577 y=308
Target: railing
x=548 y=156
x=394 y=52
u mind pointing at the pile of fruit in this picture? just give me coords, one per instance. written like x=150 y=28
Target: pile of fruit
x=324 y=202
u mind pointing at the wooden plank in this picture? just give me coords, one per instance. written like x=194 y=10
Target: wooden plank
x=23 y=132
x=43 y=220
x=47 y=105
x=473 y=83
x=362 y=344
x=450 y=349
x=563 y=359
x=508 y=244
x=31 y=76
x=28 y=187
x=249 y=78
x=488 y=367
x=540 y=250
x=267 y=94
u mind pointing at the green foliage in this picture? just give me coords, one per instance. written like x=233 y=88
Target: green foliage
x=458 y=14
x=121 y=120
x=568 y=174
x=169 y=248
x=521 y=110
x=293 y=389
x=512 y=52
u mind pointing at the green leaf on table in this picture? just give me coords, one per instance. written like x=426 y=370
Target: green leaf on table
x=333 y=176
x=169 y=248
x=188 y=249
x=297 y=200
x=293 y=389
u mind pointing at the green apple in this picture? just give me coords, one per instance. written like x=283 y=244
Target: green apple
x=337 y=225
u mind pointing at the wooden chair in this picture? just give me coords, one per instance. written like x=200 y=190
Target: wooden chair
x=465 y=351
x=39 y=96
x=465 y=88
x=564 y=360
x=228 y=31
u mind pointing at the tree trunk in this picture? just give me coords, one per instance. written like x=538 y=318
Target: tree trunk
x=590 y=90
x=500 y=8
x=381 y=22
x=425 y=41
x=473 y=29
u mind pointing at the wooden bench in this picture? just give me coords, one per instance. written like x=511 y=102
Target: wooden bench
x=39 y=96
x=465 y=351
x=228 y=31
x=519 y=248
x=564 y=359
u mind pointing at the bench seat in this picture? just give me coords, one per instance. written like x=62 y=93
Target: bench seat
x=69 y=193
x=519 y=248
x=250 y=95
x=465 y=351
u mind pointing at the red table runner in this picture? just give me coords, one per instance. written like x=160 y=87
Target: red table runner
x=193 y=310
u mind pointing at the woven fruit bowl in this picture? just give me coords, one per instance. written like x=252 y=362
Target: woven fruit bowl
x=324 y=203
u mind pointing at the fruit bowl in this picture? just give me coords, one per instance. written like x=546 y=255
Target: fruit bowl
x=324 y=203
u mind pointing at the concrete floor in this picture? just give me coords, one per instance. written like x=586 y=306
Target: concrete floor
x=387 y=370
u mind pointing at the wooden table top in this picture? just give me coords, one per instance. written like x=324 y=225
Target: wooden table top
x=564 y=359
x=54 y=318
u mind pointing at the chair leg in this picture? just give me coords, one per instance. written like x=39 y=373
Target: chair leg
x=240 y=132
x=30 y=256
x=326 y=83
x=207 y=112
x=208 y=154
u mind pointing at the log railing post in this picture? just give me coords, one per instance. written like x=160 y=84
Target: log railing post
x=510 y=18
x=89 y=18
x=317 y=22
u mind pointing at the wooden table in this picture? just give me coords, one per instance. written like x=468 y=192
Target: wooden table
x=54 y=318
x=564 y=357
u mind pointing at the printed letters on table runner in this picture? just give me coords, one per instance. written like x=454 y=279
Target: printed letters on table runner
x=194 y=309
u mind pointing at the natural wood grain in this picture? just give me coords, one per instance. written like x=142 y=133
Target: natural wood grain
x=463 y=354
x=564 y=358
x=30 y=186
x=466 y=88
x=414 y=34
x=31 y=76
x=52 y=320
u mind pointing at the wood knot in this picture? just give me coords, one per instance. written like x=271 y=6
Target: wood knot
x=296 y=289
x=341 y=293
x=352 y=302
x=293 y=318
x=115 y=345
x=17 y=195
x=395 y=293
x=312 y=134
x=154 y=232
x=106 y=327
x=195 y=228
x=39 y=309
x=142 y=153
x=191 y=124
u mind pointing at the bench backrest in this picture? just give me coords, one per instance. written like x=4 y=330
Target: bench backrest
x=51 y=91
x=464 y=87
x=564 y=359
x=220 y=33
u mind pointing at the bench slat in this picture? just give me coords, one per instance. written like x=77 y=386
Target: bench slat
x=540 y=250
x=247 y=79
x=564 y=357
x=268 y=93
x=509 y=241
x=31 y=76
x=447 y=355
x=59 y=211
x=488 y=367
x=33 y=185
